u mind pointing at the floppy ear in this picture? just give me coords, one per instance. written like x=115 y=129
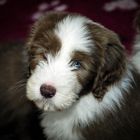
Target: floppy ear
x=112 y=59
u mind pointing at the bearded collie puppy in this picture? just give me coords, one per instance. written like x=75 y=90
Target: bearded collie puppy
x=82 y=81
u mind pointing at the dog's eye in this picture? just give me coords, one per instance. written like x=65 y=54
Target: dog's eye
x=76 y=65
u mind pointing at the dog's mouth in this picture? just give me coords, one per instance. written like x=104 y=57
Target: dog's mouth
x=46 y=105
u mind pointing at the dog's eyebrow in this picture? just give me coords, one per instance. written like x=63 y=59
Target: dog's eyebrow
x=78 y=55
x=49 y=45
x=37 y=48
x=85 y=58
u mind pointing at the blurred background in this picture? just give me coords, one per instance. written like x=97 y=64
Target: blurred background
x=17 y=16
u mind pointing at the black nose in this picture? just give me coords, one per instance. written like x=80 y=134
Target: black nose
x=47 y=91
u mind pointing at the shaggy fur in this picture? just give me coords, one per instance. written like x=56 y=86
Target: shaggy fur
x=99 y=100
x=97 y=86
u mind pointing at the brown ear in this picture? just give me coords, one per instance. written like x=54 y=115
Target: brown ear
x=112 y=59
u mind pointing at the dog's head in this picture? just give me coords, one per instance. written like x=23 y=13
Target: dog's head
x=71 y=56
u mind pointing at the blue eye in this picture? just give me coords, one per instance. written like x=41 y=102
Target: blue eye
x=76 y=64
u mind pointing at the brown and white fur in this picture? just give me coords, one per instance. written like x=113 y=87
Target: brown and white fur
x=96 y=100
x=97 y=88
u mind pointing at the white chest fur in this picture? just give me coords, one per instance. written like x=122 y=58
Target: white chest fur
x=64 y=125
x=60 y=126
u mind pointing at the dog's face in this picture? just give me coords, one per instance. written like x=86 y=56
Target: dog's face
x=71 y=56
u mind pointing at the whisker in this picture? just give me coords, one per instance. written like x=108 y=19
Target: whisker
x=18 y=86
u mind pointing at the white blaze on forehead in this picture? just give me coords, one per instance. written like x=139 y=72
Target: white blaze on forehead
x=73 y=34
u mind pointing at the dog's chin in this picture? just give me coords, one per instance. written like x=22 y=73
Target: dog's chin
x=48 y=106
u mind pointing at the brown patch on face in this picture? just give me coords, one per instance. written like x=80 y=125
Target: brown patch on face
x=104 y=65
x=42 y=39
x=87 y=71
x=109 y=57
x=86 y=62
x=48 y=44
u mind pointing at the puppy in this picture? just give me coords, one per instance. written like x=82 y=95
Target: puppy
x=82 y=80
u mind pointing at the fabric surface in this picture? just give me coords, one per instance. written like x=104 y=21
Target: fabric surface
x=17 y=16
